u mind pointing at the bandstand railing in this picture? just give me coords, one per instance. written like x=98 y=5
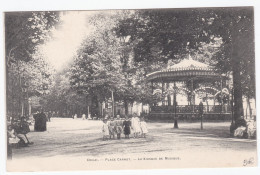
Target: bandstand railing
x=189 y=109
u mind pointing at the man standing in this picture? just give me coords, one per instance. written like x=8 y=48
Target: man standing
x=36 y=121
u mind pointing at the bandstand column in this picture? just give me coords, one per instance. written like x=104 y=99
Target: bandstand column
x=162 y=93
x=174 y=97
x=221 y=94
x=168 y=95
x=152 y=86
x=152 y=91
x=192 y=95
x=207 y=109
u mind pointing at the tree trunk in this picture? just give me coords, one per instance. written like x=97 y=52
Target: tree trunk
x=113 y=104
x=249 y=107
x=236 y=69
x=238 y=100
x=126 y=107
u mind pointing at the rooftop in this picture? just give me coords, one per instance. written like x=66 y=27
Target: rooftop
x=188 y=64
x=184 y=70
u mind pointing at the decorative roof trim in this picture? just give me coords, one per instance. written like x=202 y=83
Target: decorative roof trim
x=181 y=69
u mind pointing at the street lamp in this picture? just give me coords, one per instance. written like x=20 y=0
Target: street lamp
x=44 y=88
x=175 y=107
x=24 y=95
x=88 y=104
x=232 y=126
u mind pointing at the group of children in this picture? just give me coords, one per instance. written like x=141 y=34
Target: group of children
x=126 y=126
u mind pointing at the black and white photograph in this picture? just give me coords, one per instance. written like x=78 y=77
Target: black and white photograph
x=160 y=88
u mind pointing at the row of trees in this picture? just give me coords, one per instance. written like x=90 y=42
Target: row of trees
x=126 y=45
x=27 y=72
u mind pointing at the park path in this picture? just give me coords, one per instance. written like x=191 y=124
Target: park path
x=68 y=138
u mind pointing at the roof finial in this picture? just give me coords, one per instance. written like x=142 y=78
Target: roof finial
x=190 y=57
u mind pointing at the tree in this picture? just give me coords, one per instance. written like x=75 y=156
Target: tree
x=236 y=28
x=62 y=98
x=24 y=32
x=127 y=45
x=98 y=69
x=162 y=35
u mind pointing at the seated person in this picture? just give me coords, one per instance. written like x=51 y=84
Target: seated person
x=21 y=129
x=13 y=140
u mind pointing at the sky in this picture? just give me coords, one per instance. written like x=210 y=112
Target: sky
x=59 y=51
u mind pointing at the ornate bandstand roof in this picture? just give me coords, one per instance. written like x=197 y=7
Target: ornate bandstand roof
x=185 y=70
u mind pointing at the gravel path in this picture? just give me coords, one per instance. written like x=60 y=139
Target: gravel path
x=82 y=139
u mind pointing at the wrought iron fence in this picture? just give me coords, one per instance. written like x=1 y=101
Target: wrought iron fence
x=191 y=109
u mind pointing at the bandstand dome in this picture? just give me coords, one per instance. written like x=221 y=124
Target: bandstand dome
x=184 y=70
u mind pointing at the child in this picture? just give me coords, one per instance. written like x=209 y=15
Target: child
x=126 y=127
x=105 y=130
x=118 y=126
x=143 y=127
x=83 y=116
x=111 y=127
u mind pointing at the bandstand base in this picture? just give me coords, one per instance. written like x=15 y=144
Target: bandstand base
x=190 y=116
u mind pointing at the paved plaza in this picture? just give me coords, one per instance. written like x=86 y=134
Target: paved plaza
x=69 y=139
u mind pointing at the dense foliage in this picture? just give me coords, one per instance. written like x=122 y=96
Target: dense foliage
x=26 y=69
x=126 y=45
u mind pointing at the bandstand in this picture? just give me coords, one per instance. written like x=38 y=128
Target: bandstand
x=193 y=81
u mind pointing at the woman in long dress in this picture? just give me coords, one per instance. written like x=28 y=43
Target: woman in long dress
x=135 y=123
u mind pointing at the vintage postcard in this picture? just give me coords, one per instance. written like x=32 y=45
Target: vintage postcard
x=130 y=89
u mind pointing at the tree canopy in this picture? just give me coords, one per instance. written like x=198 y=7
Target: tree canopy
x=26 y=68
x=126 y=45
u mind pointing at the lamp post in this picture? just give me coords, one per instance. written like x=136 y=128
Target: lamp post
x=88 y=104
x=44 y=88
x=201 y=114
x=24 y=95
x=232 y=126
x=175 y=107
